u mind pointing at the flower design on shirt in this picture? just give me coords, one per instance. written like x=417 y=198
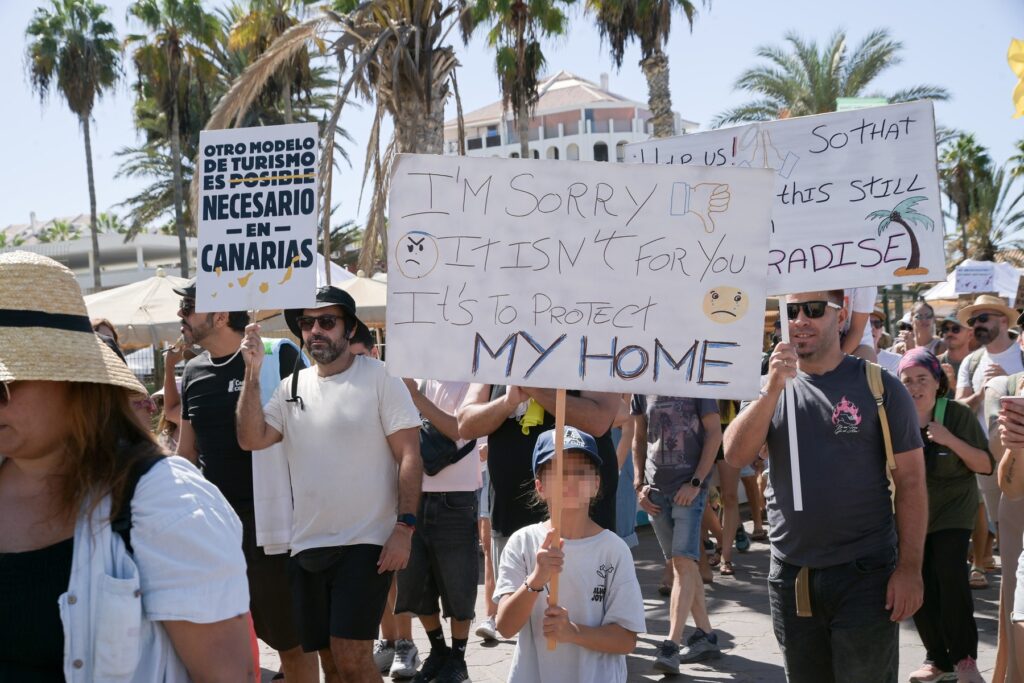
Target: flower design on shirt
x=846 y=417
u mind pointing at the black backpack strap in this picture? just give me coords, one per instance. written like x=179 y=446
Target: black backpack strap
x=300 y=364
x=122 y=522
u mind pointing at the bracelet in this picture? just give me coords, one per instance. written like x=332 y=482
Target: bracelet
x=531 y=588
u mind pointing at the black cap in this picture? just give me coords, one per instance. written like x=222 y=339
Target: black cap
x=327 y=295
x=188 y=290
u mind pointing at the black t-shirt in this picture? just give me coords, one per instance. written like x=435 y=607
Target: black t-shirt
x=510 y=466
x=210 y=388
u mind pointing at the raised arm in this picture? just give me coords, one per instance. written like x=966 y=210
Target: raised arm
x=480 y=416
x=591 y=411
x=446 y=423
x=1011 y=435
x=253 y=431
x=749 y=429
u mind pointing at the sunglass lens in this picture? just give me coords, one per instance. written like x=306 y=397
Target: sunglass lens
x=327 y=322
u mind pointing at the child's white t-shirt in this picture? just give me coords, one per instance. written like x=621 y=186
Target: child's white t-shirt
x=598 y=586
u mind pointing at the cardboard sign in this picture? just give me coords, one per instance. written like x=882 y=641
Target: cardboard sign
x=257 y=218
x=856 y=193
x=608 y=277
x=978 y=277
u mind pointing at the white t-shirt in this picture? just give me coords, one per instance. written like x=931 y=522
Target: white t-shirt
x=889 y=360
x=344 y=476
x=861 y=300
x=1011 y=360
x=465 y=474
x=597 y=586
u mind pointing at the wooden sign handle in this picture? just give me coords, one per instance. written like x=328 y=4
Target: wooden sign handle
x=555 y=494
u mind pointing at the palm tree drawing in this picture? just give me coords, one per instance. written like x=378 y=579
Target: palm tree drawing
x=904 y=214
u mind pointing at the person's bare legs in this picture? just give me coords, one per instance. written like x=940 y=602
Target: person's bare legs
x=698 y=606
x=485 y=534
x=298 y=666
x=979 y=537
x=395 y=626
x=330 y=670
x=683 y=591
x=353 y=660
x=729 y=481
x=755 y=500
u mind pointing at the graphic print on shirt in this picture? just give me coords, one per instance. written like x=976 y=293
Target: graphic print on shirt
x=846 y=417
x=234 y=386
x=674 y=422
x=604 y=571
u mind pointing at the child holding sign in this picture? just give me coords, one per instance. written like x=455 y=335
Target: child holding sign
x=601 y=610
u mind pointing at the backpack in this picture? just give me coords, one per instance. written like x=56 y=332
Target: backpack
x=121 y=523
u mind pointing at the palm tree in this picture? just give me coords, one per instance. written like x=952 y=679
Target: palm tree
x=110 y=223
x=963 y=164
x=519 y=60
x=806 y=79
x=904 y=214
x=649 y=22
x=1018 y=159
x=997 y=214
x=60 y=231
x=7 y=241
x=393 y=54
x=170 y=62
x=74 y=50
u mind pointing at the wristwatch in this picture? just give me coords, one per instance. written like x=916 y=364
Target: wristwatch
x=408 y=519
x=696 y=482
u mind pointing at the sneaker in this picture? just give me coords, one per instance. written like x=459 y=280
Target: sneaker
x=453 y=671
x=698 y=648
x=668 y=658
x=929 y=673
x=407 y=659
x=432 y=666
x=967 y=671
x=487 y=629
x=383 y=655
x=742 y=540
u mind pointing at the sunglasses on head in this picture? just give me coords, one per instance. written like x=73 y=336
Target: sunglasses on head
x=811 y=309
x=187 y=306
x=326 y=322
x=982 y=318
x=950 y=329
x=877 y=324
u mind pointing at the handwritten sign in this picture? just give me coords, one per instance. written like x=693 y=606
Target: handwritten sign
x=856 y=193
x=979 y=277
x=610 y=277
x=257 y=218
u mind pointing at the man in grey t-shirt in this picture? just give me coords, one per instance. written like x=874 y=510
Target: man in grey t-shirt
x=839 y=553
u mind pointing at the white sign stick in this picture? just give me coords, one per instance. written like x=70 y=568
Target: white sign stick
x=794 y=449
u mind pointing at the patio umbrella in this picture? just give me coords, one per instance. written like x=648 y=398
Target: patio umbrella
x=145 y=313
x=371 y=298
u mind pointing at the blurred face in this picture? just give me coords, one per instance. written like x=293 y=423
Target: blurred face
x=987 y=326
x=325 y=345
x=32 y=419
x=955 y=335
x=877 y=328
x=580 y=480
x=922 y=385
x=195 y=327
x=359 y=349
x=923 y=317
x=814 y=337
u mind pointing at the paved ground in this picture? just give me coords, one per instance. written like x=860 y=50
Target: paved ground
x=740 y=614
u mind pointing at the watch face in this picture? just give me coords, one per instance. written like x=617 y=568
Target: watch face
x=695 y=482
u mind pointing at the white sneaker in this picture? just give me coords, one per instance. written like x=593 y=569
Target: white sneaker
x=383 y=655
x=487 y=629
x=407 y=659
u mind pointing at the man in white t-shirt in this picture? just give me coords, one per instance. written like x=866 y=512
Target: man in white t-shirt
x=989 y=319
x=443 y=566
x=856 y=338
x=351 y=437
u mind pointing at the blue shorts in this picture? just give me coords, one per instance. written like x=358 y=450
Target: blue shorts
x=678 y=526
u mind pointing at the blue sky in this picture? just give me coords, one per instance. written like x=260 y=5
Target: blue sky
x=959 y=46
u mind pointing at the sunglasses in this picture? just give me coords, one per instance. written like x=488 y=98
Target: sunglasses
x=187 y=307
x=950 y=329
x=983 y=318
x=877 y=324
x=811 y=309
x=923 y=316
x=326 y=322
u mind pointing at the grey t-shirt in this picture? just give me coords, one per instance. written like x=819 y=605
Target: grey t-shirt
x=675 y=438
x=847 y=511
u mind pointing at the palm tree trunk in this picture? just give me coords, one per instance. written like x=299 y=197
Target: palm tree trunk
x=179 y=219
x=915 y=249
x=286 y=95
x=420 y=130
x=659 y=98
x=523 y=129
x=93 y=231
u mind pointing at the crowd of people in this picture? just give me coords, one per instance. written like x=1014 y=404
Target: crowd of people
x=298 y=494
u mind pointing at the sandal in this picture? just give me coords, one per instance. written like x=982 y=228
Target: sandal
x=978 y=580
x=759 y=536
x=727 y=569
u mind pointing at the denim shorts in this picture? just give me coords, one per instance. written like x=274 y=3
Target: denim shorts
x=678 y=526
x=1018 y=595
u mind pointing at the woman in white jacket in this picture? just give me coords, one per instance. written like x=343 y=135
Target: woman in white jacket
x=80 y=605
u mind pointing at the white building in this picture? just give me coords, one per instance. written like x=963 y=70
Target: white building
x=574 y=119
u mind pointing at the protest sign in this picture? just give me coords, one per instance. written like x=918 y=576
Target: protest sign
x=856 y=193
x=608 y=277
x=977 y=277
x=257 y=218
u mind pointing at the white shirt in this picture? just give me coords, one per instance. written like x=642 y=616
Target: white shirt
x=344 y=476
x=187 y=566
x=861 y=300
x=1011 y=360
x=465 y=474
x=889 y=360
x=598 y=586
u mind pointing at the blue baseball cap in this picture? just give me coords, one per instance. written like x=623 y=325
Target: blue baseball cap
x=575 y=440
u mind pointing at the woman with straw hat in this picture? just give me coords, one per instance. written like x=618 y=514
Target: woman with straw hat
x=120 y=563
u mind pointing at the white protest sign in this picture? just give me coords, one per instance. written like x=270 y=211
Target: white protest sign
x=977 y=277
x=608 y=277
x=257 y=218
x=856 y=193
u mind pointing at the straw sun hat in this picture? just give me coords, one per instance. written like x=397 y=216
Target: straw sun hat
x=987 y=302
x=45 y=333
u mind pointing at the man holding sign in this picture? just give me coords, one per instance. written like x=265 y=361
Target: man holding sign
x=837 y=583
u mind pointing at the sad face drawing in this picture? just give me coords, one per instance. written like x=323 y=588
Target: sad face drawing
x=416 y=254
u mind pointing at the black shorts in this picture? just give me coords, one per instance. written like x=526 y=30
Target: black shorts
x=444 y=561
x=270 y=598
x=338 y=593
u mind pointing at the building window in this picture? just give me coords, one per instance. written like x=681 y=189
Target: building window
x=536 y=154
x=620 y=151
x=572 y=152
x=513 y=155
x=600 y=151
x=552 y=153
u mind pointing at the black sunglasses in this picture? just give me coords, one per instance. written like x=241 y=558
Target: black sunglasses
x=877 y=324
x=187 y=307
x=923 y=316
x=811 y=309
x=326 y=322
x=950 y=329
x=983 y=318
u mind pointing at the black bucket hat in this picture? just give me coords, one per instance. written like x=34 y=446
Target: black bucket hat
x=326 y=296
x=187 y=290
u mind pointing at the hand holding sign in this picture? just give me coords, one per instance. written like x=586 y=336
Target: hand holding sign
x=252 y=349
